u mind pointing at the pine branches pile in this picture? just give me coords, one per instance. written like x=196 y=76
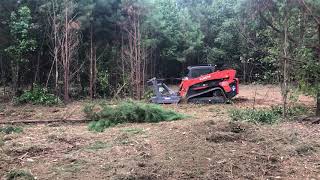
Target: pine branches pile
x=105 y=116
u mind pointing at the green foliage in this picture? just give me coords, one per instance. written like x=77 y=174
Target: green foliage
x=308 y=72
x=230 y=32
x=38 y=96
x=266 y=116
x=175 y=31
x=292 y=111
x=19 y=174
x=20 y=26
x=105 y=116
x=103 y=82
x=254 y=115
x=148 y=94
x=10 y=129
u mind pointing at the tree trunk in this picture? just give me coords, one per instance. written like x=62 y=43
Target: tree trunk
x=55 y=49
x=15 y=76
x=245 y=70
x=94 y=81
x=318 y=104
x=36 y=74
x=66 y=58
x=49 y=75
x=66 y=85
x=318 y=93
x=285 y=64
x=91 y=63
x=3 y=80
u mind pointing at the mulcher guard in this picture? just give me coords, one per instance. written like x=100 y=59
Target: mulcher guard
x=163 y=94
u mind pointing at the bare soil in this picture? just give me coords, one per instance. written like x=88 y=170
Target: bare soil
x=207 y=145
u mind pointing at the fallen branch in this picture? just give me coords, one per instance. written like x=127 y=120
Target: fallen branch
x=311 y=119
x=72 y=121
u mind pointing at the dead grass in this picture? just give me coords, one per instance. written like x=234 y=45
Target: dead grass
x=206 y=146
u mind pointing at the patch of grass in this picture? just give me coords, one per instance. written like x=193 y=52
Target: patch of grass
x=123 y=139
x=106 y=167
x=292 y=111
x=97 y=145
x=10 y=129
x=104 y=115
x=1 y=140
x=133 y=131
x=19 y=174
x=266 y=116
x=125 y=142
x=305 y=149
x=237 y=127
x=75 y=166
x=2 y=108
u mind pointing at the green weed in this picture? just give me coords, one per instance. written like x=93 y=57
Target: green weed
x=133 y=131
x=292 y=111
x=72 y=167
x=19 y=174
x=2 y=108
x=305 y=149
x=266 y=116
x=98 y=145
x=254 y=115
x=1 y=140
x=10 y=129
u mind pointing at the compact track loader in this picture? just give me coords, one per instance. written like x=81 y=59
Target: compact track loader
x=203 y=84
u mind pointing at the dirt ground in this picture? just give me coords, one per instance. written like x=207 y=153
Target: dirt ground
x=204 y=146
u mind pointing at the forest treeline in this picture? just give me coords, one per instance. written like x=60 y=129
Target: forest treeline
x=99 y=48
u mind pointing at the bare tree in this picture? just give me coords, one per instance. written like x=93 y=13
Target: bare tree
x=70 y=42
x=133 y=51
x=56 y=26
x=93 y=65
x=3 y=80
x=65 y=43
x=285 y=61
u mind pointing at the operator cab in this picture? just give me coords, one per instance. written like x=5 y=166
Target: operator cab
x=197 y=71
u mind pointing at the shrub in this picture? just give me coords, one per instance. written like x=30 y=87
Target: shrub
x=291 y=111
x=267 y=116
x=105 y=116
x=10 y=129
x=38 y=96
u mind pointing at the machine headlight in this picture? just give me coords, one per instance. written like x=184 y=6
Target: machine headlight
x=234 y=88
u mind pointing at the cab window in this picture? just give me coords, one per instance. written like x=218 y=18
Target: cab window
x=199 y=72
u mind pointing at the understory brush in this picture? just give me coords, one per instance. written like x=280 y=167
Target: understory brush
x=37 y=96
x=104 y=115
x=266 y=116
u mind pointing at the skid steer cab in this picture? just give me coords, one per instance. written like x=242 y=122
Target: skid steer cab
x=203 y=84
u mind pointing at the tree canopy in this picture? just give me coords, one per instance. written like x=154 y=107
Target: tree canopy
x=115 y=45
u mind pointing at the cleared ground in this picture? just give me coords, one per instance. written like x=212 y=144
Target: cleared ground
x=204 y=146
